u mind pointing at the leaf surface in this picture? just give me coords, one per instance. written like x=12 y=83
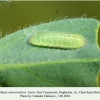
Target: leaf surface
x=23 y=64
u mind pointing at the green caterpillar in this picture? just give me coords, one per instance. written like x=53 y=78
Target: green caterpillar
x=58 y=40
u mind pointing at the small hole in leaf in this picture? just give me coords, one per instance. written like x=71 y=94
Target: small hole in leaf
x=99 y=79
x=98 y=40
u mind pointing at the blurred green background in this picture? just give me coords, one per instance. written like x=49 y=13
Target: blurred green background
x=17 y=15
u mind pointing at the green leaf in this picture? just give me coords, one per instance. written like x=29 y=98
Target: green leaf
x=24 y=64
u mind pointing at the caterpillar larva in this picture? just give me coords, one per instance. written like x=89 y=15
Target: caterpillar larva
x=58 y=40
